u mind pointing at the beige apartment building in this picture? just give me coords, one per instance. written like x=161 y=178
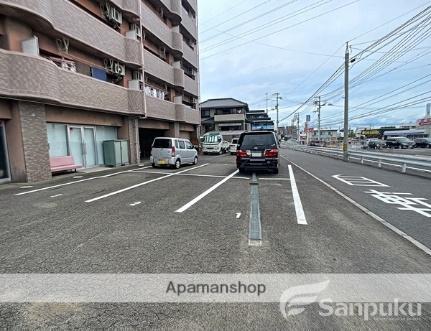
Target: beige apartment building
x=75 y=73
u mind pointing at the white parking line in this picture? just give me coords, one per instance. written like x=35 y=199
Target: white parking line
x=300 y=216
x=135 y=204
x=204 y=194
x=142 y=184
x=56 y=196
x=74 y=182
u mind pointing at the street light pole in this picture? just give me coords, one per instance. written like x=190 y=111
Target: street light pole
x=318 y=103
x=277 y=98
x=346 y=104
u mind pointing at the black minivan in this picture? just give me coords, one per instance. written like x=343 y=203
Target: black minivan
x=257 y=150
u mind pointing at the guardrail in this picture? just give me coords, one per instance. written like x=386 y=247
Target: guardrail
x=404 y=163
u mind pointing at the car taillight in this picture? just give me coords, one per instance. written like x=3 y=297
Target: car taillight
x=173 y=151
x=240 y=154
x=271 y=153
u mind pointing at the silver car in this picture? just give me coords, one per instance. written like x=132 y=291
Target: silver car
x=172 y=152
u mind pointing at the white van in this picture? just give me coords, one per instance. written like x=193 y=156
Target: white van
x=172 y=152
x=213 y=142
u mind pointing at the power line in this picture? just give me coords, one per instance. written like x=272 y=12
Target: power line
x=285 y=28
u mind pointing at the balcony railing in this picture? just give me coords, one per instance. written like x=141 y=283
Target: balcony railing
x=73 y=22
x=189 y=23
x=191 y=85
x=32 y=77
x=190 y=55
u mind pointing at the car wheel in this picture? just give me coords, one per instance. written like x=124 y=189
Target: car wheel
x=153 y=165
x=275 y=171
x=221 y=152
x=177 y=164
x=195 y=160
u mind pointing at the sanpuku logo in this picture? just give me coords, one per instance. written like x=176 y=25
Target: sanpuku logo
x=294 y=300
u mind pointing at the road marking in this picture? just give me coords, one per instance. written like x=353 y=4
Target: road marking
x=204 y=194
x=193 y=175
x=255 y=224
x=141 y=184
x=24 y=187
x=77 y=177
x=299 y=210
x=367 y=211
x=359 y=181
x=135 y=204
x=56 y=196
x=238 y=215
x=71 y=183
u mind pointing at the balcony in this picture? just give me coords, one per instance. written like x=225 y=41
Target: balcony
x=156 y=67
x=189 y=23
x=157 y=27
x=174 y=7
x=131 y=6
x=190 y=55
x=191 y=85
x=193 y=4
x=229 y=118
x=160 y=109
x=186 y=114
x=32 y=77
x=75 y=23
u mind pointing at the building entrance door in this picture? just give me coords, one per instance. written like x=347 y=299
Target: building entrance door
x=82 y=145
x=4 y=161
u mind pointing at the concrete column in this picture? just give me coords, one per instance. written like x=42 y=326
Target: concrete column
x=174 y=130
x=130 y=131
x=28 y=143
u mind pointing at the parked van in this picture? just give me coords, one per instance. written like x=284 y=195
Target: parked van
x=213 y=142
x=172 y=152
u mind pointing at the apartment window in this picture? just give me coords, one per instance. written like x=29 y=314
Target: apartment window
x=206 y=113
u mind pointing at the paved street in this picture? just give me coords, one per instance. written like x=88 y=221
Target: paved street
x=128 y=222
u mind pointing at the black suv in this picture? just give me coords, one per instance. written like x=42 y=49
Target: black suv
x=399 y=142
x=257 y=151
x=423 y=142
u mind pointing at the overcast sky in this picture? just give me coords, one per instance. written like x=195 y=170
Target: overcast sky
x=300 y=44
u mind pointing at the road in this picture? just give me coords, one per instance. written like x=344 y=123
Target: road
x=128 y=222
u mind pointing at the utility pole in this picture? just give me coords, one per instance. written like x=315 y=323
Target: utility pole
x=267 y=99
x=346 y=104
x=318 y=103
x=299 y=130
x=277 y=98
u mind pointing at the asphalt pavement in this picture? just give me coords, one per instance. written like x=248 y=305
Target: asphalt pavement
x=128 y=221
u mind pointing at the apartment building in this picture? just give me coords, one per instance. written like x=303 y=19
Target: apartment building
x=75 y=73
x=226 y=115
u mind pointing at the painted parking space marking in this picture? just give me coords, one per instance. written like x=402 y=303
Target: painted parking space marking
x=238 y=215
x=255 y=223
x=299 y=210
x=359 y=181
x=204 y=194
x=56 y=196
x=376 y=217
x=404 y=201
x=135 y=204
x=72 y=183
x=141 y=184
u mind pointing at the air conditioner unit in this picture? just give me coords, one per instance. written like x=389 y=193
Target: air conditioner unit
x=109 y=64
x=115 y=15
x=137 y=28
x=31 y=46
x=68 y=65
x=111 y=13
x=119 y=69
x=63 y=45
x=137 y=75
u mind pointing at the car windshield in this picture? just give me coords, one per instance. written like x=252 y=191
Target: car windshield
x=162 y=143
x=403 y=139
x=211 y=138
x=235 y=141
x=251 y=141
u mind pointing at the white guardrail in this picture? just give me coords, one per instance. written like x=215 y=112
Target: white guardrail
x=382 y=160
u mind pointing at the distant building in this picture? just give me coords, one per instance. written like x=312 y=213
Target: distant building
x=259 y=120
x=226 y=115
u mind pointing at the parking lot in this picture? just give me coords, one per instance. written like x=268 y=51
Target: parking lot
x=197 y=220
